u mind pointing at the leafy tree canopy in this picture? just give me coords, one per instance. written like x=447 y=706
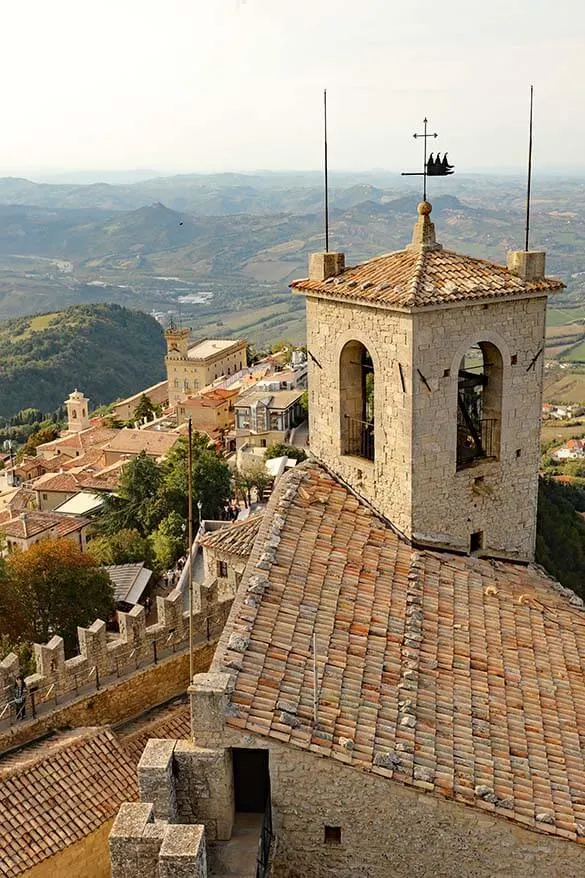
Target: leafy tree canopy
x=136 y=504
x=560 y=540
x=279 y=449
x=168 y=540
x=211 y=478
x=125 y=546
x=51 y=588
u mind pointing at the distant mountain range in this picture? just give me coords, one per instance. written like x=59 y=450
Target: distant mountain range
x=240 y=239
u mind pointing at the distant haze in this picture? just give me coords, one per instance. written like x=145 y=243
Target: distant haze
x=218 y=85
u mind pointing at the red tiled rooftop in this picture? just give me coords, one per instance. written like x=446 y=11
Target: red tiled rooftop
x=458 y=676
x=49 y=800
x=235 y=539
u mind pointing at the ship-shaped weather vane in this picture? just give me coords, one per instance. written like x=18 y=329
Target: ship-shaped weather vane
x=433 y=166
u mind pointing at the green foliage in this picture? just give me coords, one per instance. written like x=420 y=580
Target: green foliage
x=304 y=402
x=249 y=479
x=146 y=409
x=45 y=432
x=51 y=588
x=560 y=540
x=279 y=449
x=136 y=503
x=125 y=546
x=211 y=478
x=168 y=540
x=150 y=493
x=114 y=350
x=23 y=649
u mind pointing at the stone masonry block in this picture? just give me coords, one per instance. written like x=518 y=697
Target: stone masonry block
x=156 y=779
x=209 y=698
x=183 y=853
x=50 y=657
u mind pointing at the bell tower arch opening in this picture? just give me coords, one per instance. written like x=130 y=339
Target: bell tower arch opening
x=356 y=389
x=479 y=404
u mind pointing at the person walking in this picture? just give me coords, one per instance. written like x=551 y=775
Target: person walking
x=20 y=697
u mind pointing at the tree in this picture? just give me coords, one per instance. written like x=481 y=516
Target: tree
x=46 y=432
x=212 y=481
x=168 y=540
x=146 y=409
x=279 y=449
x=136 y=504
x=125 y=546
x=251 y=478
x=304 y=402
x=56 y=587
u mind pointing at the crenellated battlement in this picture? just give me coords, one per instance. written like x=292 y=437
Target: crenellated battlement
x=103 y=657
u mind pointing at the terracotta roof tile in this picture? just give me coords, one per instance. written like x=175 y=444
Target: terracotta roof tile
x=459 y=676
x=31 y=524
x=235 y=539
x=53 y=796
x=414 y=278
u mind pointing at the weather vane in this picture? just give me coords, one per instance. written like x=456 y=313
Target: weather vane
x=433 y=166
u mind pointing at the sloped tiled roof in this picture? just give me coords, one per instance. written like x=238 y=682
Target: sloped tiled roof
x=458 y=676
x=425 y=274
x=59 y=482
x=166 y=722
x=56 y=795
x=134 y=441
x=235 y=539
x=31 y=524
x=413 y=279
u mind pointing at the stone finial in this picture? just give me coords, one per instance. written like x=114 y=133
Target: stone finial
x=527 y=264
x=325 y=265
x=423 y=233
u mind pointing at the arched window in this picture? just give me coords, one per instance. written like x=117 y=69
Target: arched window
x=479 y=404
x=356 y=385
x=73 y=414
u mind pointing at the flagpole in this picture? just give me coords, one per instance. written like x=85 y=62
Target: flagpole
x=190 y=539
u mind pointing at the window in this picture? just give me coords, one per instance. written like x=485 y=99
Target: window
x=476 y=541
x=44 y=496
x=73 y=414
x=479 y=405
x=222 y=569
x=356 y=384
x=332 y=835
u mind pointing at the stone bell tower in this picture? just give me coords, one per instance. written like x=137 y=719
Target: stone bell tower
x=425 y=388
x=77 y=412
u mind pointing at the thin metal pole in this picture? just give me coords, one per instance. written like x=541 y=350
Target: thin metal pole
x=529 y=182
x=314 y=677
x=425 y=161
x=326 y=174
x=190 y=539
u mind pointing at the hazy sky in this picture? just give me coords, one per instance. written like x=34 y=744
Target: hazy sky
x=199 y=85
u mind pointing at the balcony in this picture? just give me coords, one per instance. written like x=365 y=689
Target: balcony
x=359 y=438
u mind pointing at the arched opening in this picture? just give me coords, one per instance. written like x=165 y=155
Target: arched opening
x=479 y=404
x=356 y=384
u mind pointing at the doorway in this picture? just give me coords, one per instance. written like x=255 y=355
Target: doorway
x=251 y=780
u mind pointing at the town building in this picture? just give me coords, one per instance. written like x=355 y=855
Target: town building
x=77 y=406
x=210 y=411
x=129 y=443
x=269 y=412
x=158 y=394
x=193 y=368
x=32 y=526
x=398 y=689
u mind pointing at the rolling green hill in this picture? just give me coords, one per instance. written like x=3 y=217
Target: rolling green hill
x=105 y=350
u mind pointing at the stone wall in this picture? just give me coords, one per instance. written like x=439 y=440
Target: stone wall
x=413 y=480
x=116 y=701
x=496 y=497
x=141 y=848
x=70 y=686
x=87 y=857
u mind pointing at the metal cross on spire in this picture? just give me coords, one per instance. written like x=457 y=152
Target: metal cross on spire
x=432 y=167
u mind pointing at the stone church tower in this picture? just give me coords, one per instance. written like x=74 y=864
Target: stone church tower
x=426 y=371
x=77 y=412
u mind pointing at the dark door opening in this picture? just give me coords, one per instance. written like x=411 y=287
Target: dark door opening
x=251 y=780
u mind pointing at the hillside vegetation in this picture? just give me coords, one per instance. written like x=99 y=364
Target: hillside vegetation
x=105 y=350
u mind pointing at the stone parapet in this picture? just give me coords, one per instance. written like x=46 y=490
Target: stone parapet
x=137 y=645
x=143 y=848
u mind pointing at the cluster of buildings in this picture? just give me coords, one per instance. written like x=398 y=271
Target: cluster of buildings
x=551 y=411
x=57 y=492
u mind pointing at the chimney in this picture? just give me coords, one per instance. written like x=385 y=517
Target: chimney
x=324 y=265
x=527 y=264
